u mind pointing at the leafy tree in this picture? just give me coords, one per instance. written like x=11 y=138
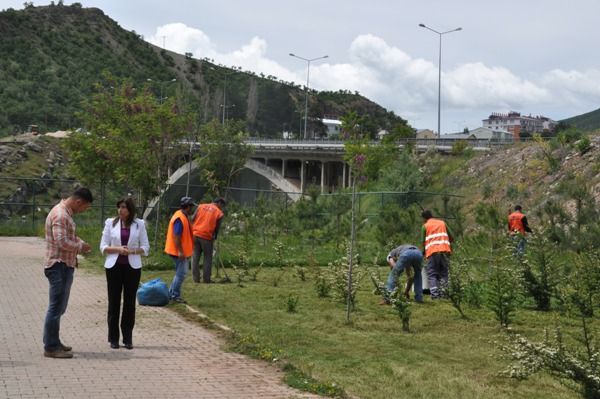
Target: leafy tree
x=223 y=154
x=129 y=137
x=398 y=132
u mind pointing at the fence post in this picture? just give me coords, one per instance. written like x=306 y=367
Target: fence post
x=156 y=215
x=102 y=194
x=33 y=214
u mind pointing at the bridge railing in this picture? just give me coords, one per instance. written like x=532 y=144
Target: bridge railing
x=437 y=142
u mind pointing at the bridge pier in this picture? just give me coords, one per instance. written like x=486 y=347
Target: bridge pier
x=302 y=176
x=323 y=176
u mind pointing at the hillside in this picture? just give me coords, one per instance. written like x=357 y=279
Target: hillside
x=587 y=121
x=51 y=57
x=522 y=174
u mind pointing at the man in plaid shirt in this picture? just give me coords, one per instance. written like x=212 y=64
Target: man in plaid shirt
x=62 y=247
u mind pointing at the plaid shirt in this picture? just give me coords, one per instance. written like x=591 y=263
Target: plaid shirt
x=62 y=245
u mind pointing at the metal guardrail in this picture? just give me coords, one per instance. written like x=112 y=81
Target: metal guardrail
x=424 y=142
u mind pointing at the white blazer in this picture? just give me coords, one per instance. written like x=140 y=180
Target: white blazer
x=138 y=238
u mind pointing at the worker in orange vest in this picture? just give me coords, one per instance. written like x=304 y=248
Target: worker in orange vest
x=205 y=228
x=518 y=228
x=180 y=245
x=436 y=239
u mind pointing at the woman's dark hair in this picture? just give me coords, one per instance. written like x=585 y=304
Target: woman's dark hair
x=130 y=205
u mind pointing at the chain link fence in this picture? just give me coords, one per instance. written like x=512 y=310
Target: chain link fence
x=318 y=219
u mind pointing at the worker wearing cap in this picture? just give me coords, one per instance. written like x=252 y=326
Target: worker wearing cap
x=180 y=245
x=205 y=228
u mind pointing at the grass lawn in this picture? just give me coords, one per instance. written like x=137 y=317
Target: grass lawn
x=443 y=356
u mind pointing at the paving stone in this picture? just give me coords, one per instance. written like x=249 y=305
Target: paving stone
x=171 y=356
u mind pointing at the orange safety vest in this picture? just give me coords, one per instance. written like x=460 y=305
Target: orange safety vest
x=187 y=242
x=436 y=237
x=206 y=220
x=515 y=222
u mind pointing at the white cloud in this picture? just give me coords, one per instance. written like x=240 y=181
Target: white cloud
x=575 y=85
x=399 y=82
x=182 y=39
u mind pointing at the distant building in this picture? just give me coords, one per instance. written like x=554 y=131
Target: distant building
x=381 y=134
x=333 y=126
x=516 y=124
x=481 y=133
x=426 y=134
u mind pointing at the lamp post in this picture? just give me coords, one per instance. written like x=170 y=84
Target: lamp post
x=308 y=61
x=161 y=98
x=440 y=34
x=224 y=105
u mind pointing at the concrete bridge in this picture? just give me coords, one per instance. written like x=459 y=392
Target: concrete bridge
x=321 y=162
x=290 y=166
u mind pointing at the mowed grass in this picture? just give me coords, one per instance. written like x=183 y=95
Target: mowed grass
x=443 y=356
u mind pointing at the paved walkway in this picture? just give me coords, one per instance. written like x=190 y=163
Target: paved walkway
x=172 y=357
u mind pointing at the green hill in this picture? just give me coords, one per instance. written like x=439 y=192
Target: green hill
x=587 y=121
x=51 y=57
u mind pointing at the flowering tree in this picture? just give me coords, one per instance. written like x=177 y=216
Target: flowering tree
x=129 y=137
x=356 y=148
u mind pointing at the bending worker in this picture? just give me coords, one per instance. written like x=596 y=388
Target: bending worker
x=409 y=258
x=205 y=227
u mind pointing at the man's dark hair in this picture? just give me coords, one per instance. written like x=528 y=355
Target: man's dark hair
x=518 y=208
x=84 y=194
x=426 y=214
x=220 y=201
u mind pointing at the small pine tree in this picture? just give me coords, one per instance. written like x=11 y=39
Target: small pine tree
x=541 y=271
x=456 y=291
x=503 y=288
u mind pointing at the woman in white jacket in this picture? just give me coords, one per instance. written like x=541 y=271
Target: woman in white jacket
x=124 y=241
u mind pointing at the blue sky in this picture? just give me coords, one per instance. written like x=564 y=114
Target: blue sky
x=538 y=57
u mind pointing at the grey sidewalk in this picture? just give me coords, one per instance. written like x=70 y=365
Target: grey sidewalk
x=172 y=357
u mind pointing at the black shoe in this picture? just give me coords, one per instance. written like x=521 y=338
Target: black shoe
x=66 y=348
x=178 y=300
x=114 y=345
x=128 y=345
x=58 y=354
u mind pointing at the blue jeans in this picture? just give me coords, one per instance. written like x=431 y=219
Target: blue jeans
x=181 y=266
x=413 y=258
x=60 y=277
x=519 y=243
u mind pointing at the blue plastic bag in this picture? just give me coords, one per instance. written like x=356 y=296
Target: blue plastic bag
x=153 y=293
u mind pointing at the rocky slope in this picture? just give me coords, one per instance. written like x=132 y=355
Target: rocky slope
x=528 y=174
x=28 y=165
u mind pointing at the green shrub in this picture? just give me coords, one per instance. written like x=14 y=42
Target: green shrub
x=583 y=145
x=292 y=303
x=459 y=147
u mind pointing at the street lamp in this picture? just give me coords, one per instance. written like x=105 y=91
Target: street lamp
x=224 y=105
x=308 y=61
x=439 y=70
x=161 y=87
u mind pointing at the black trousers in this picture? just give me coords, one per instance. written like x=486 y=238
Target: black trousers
x=202 y=246
x=121 y=280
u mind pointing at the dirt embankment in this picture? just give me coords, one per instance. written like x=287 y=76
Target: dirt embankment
x=529 y=174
